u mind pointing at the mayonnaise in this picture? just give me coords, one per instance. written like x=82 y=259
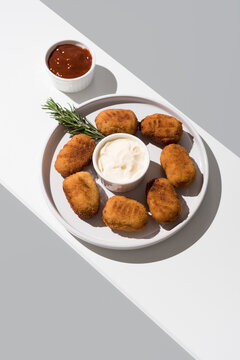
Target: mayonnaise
x=121 y=159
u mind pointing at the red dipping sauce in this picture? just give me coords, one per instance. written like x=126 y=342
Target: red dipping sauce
x=70 y=61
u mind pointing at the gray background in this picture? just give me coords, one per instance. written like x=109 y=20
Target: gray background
x=186 y=50
x=53 y=305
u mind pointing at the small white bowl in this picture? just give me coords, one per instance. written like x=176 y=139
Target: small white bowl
x=74 y=84
x=120 y=186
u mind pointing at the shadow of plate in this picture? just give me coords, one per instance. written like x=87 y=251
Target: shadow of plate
x=186 y=237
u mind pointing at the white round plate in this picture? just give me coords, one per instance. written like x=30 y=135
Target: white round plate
x=94 y=230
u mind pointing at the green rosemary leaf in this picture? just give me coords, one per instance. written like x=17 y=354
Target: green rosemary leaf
x=74 y=122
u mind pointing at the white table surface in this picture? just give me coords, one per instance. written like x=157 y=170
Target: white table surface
x=188 y=285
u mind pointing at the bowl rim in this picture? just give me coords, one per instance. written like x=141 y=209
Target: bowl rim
x=73 y=42
x=115 y=136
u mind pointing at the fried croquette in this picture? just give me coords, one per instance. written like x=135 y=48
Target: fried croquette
x=122 y=213
x=163 y=201
x=178 y=166
x=112 y=121
x=75 y=155
x=161 y=128
x=82 y=194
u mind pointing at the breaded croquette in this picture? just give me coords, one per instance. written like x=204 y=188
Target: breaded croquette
x=163 y=201
x=178 y=166
x=122 y=213
x=112 y=121
x=161 y=128
x=82 y=194
x=75 y=155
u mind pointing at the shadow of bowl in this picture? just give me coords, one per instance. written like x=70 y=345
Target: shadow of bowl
x=104 y=82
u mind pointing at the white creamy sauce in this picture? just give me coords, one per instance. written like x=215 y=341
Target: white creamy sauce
x=121 y=159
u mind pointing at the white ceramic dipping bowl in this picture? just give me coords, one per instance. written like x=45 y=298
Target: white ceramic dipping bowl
x=120 y=186
x=75 y=84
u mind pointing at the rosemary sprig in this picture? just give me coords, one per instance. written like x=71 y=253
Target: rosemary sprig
x=74 y=123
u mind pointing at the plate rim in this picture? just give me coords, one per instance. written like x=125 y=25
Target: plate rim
x=91 y=240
